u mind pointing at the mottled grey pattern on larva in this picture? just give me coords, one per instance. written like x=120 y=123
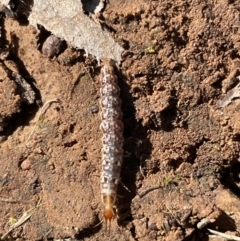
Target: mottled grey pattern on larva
x=112 y=140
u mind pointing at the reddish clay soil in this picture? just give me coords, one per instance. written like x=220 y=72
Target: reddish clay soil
x=181 y=152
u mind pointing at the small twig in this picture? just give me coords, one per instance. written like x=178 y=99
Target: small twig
x=124 y=186
x=226 y=236
x=41 y=112
x=22 y=220
x=76 y=81
x=141 y=171
x=203 y=223
x=148 y=190
x=98 y=224
x=26 y=215
x=48 y=232
x=90 y=77
x=7 y=200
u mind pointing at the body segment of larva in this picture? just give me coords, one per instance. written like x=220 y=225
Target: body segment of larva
x=112 y=140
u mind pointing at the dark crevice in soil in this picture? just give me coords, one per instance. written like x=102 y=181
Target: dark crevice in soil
x=35 y=186
x=90 y=6
x=72 y=127
x=164 y=120
x=198 y=235
x=192 y=150
x=20 y=119
x=21 y=66
x=135 y=139
x=21 y=10
x=132 y=17
x=175 y=163
x=88 y=232
x=4 y=44
x=218 y=84
x=230 y=178
x=236 y=137
x=132 y=230
x=70 y=143
x=224 y=223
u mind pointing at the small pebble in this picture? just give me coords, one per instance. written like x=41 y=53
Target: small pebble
x=51 y=46
x=94 y=109
x=152 y=226
x=26 y=165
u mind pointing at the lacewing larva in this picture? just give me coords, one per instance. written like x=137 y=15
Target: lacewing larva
x=112 y=139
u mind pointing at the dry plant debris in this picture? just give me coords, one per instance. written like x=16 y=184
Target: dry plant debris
x=223 y=235
x=39 y=115
x=71 y=24
x=21 y=221
x=229 y=97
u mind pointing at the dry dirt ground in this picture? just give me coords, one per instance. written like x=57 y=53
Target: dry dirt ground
x=181 y=152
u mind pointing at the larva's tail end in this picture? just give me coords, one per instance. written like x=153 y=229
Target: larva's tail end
x=108 y=215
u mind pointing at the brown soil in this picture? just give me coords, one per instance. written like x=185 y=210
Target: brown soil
x=181 y=161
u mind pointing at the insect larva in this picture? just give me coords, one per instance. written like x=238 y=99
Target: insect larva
x=112 y=140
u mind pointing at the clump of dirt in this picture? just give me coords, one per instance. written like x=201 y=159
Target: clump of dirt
x=10 y=99
x=181 y=151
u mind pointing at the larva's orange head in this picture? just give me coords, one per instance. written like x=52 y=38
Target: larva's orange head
x=108 y=215
x=108 y=212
